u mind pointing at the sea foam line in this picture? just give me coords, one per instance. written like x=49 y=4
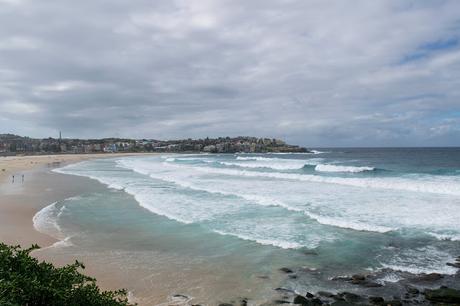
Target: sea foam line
x=337 y=168
x=433 y=259
x=46 y=221
x=267 y=201
x=448 y=186
x=145 y=204
x=358 y=226
x=276 y=243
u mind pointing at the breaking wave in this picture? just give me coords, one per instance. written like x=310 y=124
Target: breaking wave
x=46 y=221
x=337 y=168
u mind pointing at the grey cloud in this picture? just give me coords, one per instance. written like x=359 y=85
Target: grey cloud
x=318 y=73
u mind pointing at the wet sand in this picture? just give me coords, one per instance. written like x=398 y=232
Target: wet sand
x=29 y=192
x=21 y=200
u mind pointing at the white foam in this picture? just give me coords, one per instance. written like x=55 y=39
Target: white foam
x=421 y=260
x=182 y=179
x=267 y=201
x=145 y=201
x=276 y=243
x=66 y=242
x=271 y=163
x=46 y=221
x=275 y=166
x=355 y=225
x=335 y=201
x=440 y=185
x=337 y=168
x=450 y=237
x=389 y=278
x=318 y=152
x=364 y=209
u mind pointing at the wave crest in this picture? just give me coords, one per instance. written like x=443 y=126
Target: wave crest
x=337 y=168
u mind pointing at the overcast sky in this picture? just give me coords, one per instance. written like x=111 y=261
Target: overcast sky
x=316 y=73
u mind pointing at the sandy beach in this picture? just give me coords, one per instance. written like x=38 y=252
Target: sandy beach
x=17 y=165
x=20 y=200
x=167 y=273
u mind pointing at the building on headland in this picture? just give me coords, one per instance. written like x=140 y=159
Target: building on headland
x=13 y=144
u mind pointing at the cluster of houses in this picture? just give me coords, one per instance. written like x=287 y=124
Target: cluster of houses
x=12 y=144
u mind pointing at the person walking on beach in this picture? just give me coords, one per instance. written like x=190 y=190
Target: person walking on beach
x=13 y=180
x=23 y=178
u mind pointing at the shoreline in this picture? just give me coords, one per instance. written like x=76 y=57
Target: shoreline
x=22 y=199
x=20 y=202
x=15 y=165
x=42 y=187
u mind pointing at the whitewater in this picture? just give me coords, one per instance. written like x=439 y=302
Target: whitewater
x=301 y=201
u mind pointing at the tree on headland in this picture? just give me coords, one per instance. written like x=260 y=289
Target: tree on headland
x=26 y=281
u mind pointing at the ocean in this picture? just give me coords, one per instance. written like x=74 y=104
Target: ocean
x=216 y=227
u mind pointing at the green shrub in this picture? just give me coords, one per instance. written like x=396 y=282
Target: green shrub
x=26 y=281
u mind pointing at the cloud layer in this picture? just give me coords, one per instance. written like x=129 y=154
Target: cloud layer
x=317 y=73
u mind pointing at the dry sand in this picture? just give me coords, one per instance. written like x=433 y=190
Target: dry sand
x=16 y=165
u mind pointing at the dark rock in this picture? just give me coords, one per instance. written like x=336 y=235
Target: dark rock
x=301 y=300
x=338 y=298
x=371 y=284
x=326 y=294
x=281 y=302
x=455 y=265
x=309 y=295
x=341 y=278
x=358 y=277
x=376 y=300
x=310 y=252
x=285 y=290
x=393 y=303
x=407 y=302
x=182 y=296
x=316 y=301
x=443 y=295
x=342 y=303
x=350 y=297
x=286 y=270
x=225 y=304
x=243 y=302
x=431 y=277
x=412 y=290
x=293 y=276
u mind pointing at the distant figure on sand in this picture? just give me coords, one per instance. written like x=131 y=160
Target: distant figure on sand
x=23 y=178
x=13 y=180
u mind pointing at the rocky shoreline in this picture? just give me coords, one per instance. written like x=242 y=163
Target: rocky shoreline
x=366 y=289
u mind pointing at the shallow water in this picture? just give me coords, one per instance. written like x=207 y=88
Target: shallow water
x=216 y=227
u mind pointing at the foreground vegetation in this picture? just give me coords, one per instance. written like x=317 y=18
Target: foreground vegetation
x=26 y=281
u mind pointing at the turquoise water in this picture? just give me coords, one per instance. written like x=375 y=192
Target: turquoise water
x=240 y=217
